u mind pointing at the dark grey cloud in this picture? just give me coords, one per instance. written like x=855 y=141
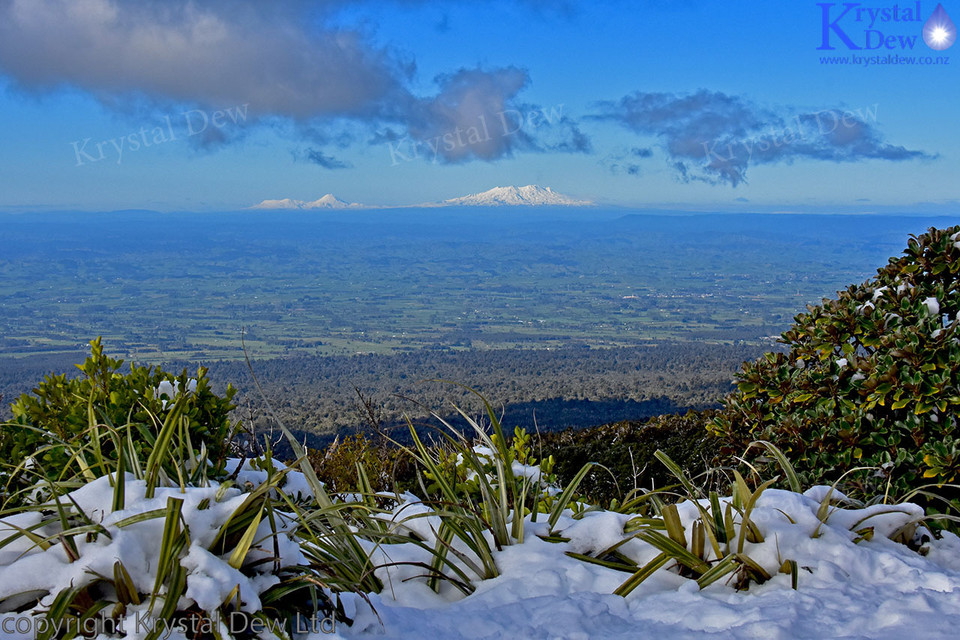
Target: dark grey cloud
x=476 y=116
x=563 y=135
x=712 y=137
x=318 y=157
x=281 y=60
x=460 y=117
x=627 y=160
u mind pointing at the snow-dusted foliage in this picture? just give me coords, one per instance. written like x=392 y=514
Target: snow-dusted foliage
x=221 y=559
x=871 y=379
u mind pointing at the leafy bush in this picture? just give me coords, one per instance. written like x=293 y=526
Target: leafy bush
x=459 y=472
x=627 y=450
x=870 y=379
x=62 y=416
x=385 y=465
x=155 y=542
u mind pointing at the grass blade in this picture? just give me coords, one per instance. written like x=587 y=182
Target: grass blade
x=791 y=475
x=671 y=519
x=717 y=571
x=674 y=550
x=645 y=572
x=170 y=544
x=161 y=447
x=568 y=494
x=246 y=541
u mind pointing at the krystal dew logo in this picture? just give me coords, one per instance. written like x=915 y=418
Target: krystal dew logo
x=857 y=26
x=939 y=32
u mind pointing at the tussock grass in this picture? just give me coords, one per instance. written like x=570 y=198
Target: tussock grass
x=481 y=491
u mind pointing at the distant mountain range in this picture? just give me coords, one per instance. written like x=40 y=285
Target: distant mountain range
x=328 y=201
x=530 y=195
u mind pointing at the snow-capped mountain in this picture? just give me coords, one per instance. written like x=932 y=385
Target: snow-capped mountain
x=532 y=195
x=328 y=201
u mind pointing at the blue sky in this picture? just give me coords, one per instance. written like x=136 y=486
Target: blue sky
x=682 y=105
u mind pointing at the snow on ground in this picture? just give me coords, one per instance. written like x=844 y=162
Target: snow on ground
x=874 y=588
x=544 y=594
x=877 y=589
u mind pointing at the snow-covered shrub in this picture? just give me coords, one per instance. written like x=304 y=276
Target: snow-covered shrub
x=211 y=561
x=251 y=555
x=483 y=494
x=871 y=379
x=461 y=473
x=61 y=416
x=744 y=539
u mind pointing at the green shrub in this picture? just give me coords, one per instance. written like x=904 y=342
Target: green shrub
x=385 y=465
x=870 y=379
x=61 y=416
x=627 y=449
x=460 y=473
